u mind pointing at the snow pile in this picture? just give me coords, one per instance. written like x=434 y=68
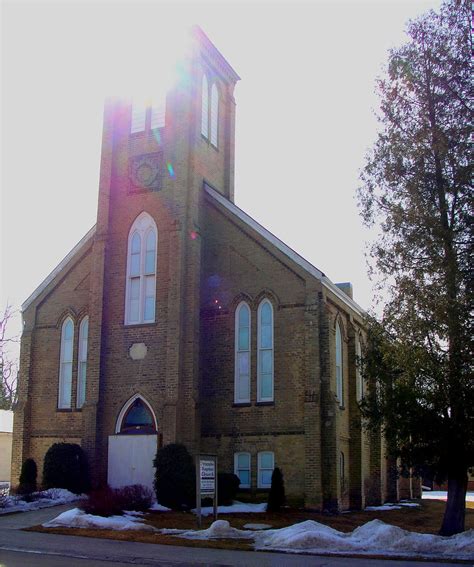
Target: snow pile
x=44 y=499
x=374 y=537
x=306 y=535
x=220 y=529
x=235 y=508
x=76 y=518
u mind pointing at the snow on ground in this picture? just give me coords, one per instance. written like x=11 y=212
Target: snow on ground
x=76 y=518
x=44 y=499
x=159 y=508
x=374 y=538
x=443 y=495
x=390 y=506
x=235 y=508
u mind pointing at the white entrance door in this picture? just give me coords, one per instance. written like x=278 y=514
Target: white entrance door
x=131 y=460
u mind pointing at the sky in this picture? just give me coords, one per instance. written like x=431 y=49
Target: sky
x=304 y=120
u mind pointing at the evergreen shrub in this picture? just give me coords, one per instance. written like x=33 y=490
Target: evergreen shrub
x=28 y=476
x=276 y=496
x=175 y=477
x=65 y=466
x=227 y=487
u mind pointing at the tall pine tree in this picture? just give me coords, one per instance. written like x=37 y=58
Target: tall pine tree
x=416 y=186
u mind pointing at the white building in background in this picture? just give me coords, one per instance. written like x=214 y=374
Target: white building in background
x=6 y=438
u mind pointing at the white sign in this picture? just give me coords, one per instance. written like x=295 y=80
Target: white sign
x=207 y=470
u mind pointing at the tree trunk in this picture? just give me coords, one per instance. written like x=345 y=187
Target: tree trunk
x=453 y=521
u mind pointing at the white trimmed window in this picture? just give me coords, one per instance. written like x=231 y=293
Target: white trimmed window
x=138 y=116
x=242 y=354
x=266 y=464
x=205 y=107
x=141 y=271
x=148 y=114
x=82 y=362
x=214 y=114
x=158 y=113
x=359 y=377
x=65 y=364
x=339 y=377
x=265 y=352
x=242 y=468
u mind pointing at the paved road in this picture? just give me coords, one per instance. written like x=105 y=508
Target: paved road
x=23 y=549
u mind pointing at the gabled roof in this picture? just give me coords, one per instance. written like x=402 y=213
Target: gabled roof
x=44 y=284
x=282 y=247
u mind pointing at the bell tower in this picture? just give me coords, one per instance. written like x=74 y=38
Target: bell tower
x=155 y=158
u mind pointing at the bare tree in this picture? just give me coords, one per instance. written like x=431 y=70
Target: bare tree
x=8 y=363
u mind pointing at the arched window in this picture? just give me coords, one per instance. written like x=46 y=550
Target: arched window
x=339 y=377
x=65 y=364
x=137 y=418
x=82 y=362
x=214 y=114
x=265 y=352
x=138 y=116
x=141 y=271
x=359 y=377
x=242 y=354
x=205 y=107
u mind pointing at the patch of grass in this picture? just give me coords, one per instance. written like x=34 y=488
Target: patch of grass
x=423 y=519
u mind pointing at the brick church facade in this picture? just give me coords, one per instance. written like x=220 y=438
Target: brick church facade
x=178 y=318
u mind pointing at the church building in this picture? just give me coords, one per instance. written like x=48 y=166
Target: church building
x=179 y=318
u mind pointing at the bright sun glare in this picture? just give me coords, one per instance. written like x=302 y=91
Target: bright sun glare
x=149 y=68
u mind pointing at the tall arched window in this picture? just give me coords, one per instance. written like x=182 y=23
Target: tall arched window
x=214 y=114
x=141 y=271
x=265 y=352
x=339 y=377
x=242 y=354
x=205 y=107
x=82 y=362
x=65 y=364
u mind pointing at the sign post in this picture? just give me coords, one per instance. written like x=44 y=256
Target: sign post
x=206 y=482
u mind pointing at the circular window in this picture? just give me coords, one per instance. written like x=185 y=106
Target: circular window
x=138 y=419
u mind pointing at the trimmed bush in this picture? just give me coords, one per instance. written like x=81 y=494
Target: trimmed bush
x=103 y=502
x=113 y=501
x=136 y=497
x=276 y=496
x=65 y=466
x=29 y=472
x=175 y=477
x=227 y=487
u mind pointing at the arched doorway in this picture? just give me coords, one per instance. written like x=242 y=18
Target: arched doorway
x=133 y=447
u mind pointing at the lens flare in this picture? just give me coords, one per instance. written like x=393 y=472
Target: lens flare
x=170 y=169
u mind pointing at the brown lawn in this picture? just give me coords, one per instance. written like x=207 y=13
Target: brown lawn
x=423 y=519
